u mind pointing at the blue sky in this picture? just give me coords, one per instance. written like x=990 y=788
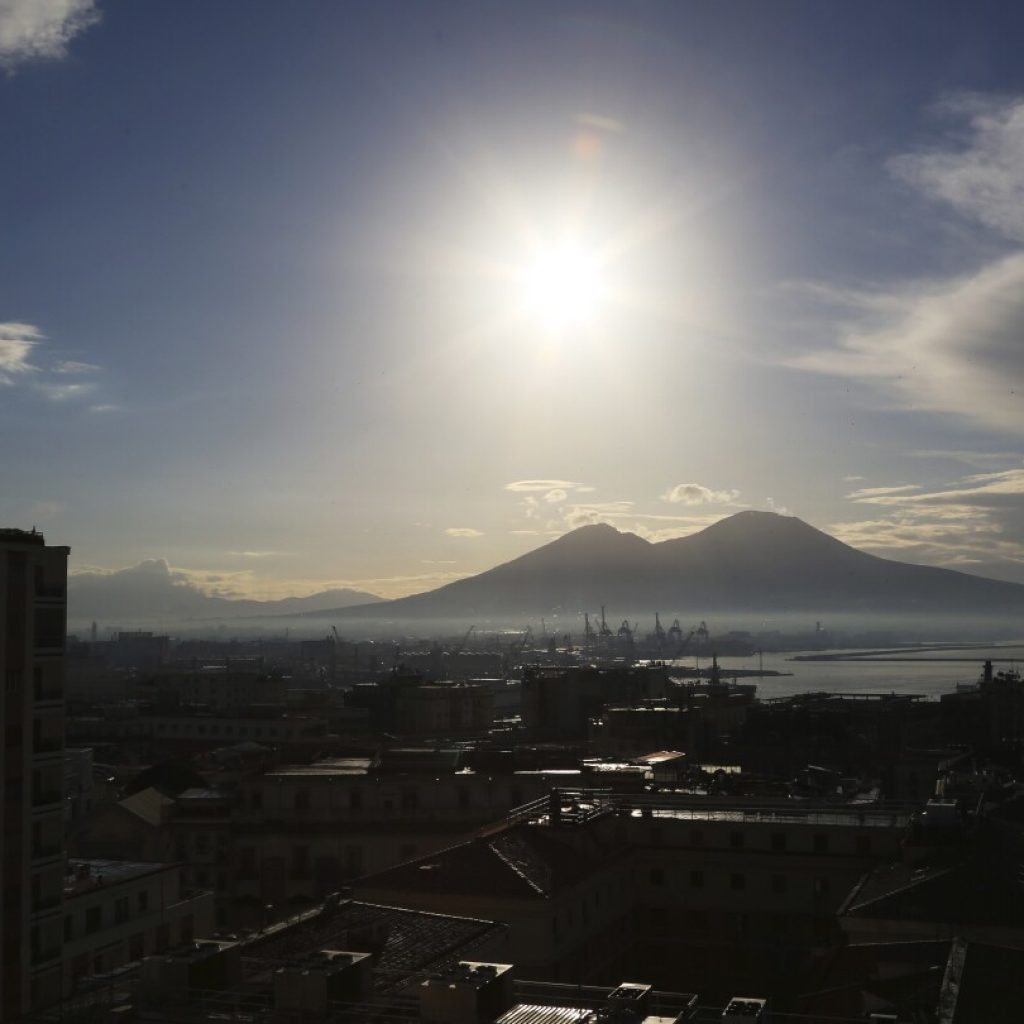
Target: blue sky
x=260 y=310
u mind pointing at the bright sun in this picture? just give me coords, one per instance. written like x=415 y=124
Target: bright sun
x=561 y=287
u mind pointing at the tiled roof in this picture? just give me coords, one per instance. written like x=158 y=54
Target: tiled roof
x=401 y=939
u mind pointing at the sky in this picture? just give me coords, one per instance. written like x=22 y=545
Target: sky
x=302 y=295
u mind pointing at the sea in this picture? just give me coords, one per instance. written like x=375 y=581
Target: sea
x=926 y=671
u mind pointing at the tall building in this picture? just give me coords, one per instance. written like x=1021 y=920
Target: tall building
x=33 y=616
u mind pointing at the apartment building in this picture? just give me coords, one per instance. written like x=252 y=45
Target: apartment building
x=677 y=886
x=117 y=912
x=33 y=615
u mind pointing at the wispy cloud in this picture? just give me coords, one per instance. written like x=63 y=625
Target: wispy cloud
x=41 y=29
x=974 y=522
x=951 y=345
x=17 y=340
x=524 y=486
x=865 y=493
x=698 y=494
x=60 y=381
x=979 y=171
x=463 y=531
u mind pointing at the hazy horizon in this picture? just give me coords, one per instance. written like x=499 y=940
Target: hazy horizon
x=301 y=297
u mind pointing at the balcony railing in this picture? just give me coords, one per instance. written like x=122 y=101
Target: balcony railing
x=46 y=797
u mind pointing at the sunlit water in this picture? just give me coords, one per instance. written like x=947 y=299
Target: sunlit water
x=937 y=673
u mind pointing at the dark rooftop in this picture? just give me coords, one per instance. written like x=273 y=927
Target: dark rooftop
x=403 y=940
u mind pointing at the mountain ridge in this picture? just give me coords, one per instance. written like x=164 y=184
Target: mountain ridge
x=752 y=562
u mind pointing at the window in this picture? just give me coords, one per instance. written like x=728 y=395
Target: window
x=355 y=799
x=737 y=881
x=736 y=840
x=779 y=841
x=696 y=879
x=820 y=886
x=121 y=910
x=696 y=837
x=463 y=798
x=410 y=799
x=864 y=845
x=256 y=800
x=93 y=920
x=779 y=883
x=302 y=800
x=143 y=901
x=657 y=876
x=820 y=842
x=69 y=928
x=137 y=946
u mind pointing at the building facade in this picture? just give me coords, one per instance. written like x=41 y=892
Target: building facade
x=33 y=615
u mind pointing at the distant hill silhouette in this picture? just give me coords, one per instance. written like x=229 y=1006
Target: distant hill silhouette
x=153 y=593
x=749 y=562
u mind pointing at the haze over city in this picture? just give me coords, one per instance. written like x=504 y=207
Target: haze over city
x=298 y=297
x=511 y=512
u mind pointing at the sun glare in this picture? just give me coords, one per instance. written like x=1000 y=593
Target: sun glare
x=561 y=287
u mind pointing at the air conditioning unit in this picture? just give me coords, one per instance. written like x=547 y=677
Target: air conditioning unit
x=469 y=993
x=319 y=979
x=744 y=1010
x=206 y=964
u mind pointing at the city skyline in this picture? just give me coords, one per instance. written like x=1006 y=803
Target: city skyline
x=276 y=303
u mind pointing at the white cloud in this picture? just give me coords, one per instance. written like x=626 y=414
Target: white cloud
x=64 y=392
x=698 y=494
x=70 y=367
x=975 y=522
x=874 y=492
x=556 y=496
x=463 y=531
x=543 y=485
x=60 y=381
x=951 y=346
x=17 y=341
x=982 y=174
x=41 y=29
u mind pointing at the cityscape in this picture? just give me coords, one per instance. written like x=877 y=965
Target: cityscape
x=511 y=513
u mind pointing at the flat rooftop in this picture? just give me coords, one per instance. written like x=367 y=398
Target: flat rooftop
x=82 y=876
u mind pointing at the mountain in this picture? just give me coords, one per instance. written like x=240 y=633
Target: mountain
x=751 y=562
x=152 y=593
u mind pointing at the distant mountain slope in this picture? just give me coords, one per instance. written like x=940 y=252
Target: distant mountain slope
x=752 y=561
x=152 y=592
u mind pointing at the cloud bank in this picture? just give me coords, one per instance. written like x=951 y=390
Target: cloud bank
x=41 y=29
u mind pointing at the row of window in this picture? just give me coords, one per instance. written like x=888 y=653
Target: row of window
x=698 y=879
x=93 y=919
x=778 y=842
x=408 y=800
x=272 y=731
